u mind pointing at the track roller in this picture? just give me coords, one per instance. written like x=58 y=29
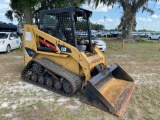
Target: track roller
x=49 y=75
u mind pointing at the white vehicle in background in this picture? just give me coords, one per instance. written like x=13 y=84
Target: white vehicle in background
x=101 y=34
x=154 y=36
x=135 y=34
x=9 y=41
x=106 y=34
x=142 y=34
x=98 y=34
x=101 y=44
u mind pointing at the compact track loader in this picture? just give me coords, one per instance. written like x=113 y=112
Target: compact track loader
x=60 y=56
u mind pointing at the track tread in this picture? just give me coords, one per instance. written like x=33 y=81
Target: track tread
x=56 y=69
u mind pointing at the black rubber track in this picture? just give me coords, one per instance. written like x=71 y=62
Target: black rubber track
x=75 y=80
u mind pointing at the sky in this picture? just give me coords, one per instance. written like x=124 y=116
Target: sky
x=107 y=16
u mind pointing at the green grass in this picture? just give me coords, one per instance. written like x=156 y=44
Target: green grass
x=141 y=60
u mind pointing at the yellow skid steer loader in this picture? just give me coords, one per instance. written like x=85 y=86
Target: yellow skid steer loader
x=60 y=56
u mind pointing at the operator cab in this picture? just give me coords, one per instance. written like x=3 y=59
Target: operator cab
x=68 y=24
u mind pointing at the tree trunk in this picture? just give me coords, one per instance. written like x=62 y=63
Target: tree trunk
x=130 y=25
x=28 y=16
x=124 y=32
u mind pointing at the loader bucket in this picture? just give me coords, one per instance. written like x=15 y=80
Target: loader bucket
x=111 y=89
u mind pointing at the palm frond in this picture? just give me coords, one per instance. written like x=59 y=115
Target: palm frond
x=144 y=8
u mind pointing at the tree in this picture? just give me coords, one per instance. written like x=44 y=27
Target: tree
x=97 y=26
x=130 y=8
x=128 y=19
x=22 y=10
x=9 y=15
x=25 y=10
